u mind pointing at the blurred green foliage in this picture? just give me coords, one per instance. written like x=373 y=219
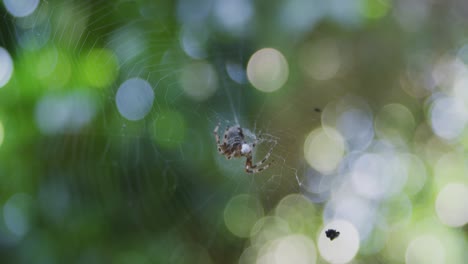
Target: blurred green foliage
x=81 y=182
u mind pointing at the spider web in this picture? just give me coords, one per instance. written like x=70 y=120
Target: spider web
x=113 y=168
x=107 y=152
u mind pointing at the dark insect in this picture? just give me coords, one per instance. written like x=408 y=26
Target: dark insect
x=332 y=234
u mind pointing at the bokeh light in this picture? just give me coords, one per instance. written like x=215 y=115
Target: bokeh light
x=34 y=31
x=268 y=229
x=360 y=212
x=375 y=176
x=375 y=9
x=100 y=67
x=193 y=42
x=128 y=43
x=236 y=72
x=20 y=8
x=301 y=15
x=294 y=249
x=450 y=167
x=341 y=249
x=450 y=205
x=6 y=67
x=233 y=15
x=448 y=117
x=298 y=212
x=241 y=213
x=17 y=214
x=425 y=249
x=249 y=256
x=267 y=70
x=345 y=13
x=320 y=184
x=65 y=113
x=54 y=68
x=134 y=99
x=199 y=81
x=319 y=157
x=395 y=122
x=353 y=118
x=321 y=60
x=190 y=12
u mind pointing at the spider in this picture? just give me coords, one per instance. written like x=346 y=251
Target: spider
x=234 y=145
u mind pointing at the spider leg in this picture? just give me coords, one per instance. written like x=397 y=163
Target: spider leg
x=215 y=132
x=225 y=135
x=263 y=160
x=248 y=163
x=255 y=168
x=221 y=148
x=258 y=169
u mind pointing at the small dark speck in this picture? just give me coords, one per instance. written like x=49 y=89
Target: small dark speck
x=318 y=110
x=332 y=234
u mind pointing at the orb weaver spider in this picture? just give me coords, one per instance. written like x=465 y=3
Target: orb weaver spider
x=234 y=145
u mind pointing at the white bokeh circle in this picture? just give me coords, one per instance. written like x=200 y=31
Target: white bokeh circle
x=134 y=99
x=343 y=248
